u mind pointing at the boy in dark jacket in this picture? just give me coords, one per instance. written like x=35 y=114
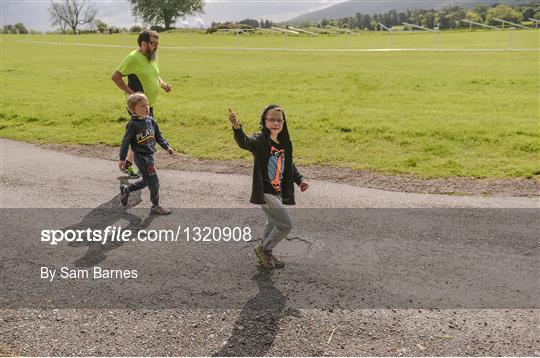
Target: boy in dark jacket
x=142 y=133
x=274 y=175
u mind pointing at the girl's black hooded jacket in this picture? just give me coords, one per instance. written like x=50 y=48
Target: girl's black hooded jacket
x=259 y=146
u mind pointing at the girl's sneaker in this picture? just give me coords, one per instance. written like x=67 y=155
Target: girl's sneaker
x=265 y=259
x=277 y=262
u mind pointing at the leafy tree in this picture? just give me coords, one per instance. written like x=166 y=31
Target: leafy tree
x=482 y=10
x=528 y=12
x=250 y=22
x=358 y=19
x=402 y=17
x=428 y=19
x=456 y=15
x=443 y=20
x=101 y=26
x=165 y=11
x=365 y=22
x=472 y=15
x=416 y=16
x=351 y=23
x=503 y=12
x=20 y=28
x=9 y=29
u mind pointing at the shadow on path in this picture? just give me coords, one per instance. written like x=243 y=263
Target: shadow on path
x=107 y=214
x=255 y=330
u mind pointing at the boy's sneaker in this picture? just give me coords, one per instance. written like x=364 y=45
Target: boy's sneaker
x=131 y=171
x=160 y=210
x=124 y=194
x=265 y=259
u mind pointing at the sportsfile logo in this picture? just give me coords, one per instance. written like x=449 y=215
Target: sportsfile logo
x=109 y=234
x=117 y=234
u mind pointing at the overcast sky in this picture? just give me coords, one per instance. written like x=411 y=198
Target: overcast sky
x=34 y=14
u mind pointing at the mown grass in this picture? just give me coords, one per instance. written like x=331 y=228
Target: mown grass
x=431 y=114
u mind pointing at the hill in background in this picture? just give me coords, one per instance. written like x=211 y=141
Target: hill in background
x=350 y=8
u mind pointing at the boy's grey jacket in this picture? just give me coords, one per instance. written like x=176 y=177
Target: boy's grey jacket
x=142 y=134
x=259 y=146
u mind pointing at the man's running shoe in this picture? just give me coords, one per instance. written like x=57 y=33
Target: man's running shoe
x=265 y=260
x=131 y=171
x=124 y=194
x=160 y=210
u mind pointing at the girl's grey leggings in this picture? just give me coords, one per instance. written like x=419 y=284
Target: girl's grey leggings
x=278 y=224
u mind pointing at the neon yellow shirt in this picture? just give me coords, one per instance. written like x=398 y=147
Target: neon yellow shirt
x=143 y=74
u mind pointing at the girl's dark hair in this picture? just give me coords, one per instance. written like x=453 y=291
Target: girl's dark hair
x=266 y=109
x=284 y=135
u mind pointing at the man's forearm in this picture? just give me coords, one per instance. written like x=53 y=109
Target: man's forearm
x=121 y=84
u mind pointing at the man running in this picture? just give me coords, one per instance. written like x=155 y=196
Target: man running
x=142 y=70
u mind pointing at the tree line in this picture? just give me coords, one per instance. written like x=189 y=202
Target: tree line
x=18 y=28
x=445 y=18
x=242 y=24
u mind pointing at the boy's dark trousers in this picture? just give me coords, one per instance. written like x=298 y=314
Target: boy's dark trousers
x=145 y=164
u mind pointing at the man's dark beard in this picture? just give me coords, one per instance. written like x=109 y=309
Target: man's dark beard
x=151 y=55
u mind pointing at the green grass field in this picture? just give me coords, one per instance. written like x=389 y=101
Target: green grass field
x=431 y=114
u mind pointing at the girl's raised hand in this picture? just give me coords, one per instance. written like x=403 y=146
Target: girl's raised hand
x=233 y=118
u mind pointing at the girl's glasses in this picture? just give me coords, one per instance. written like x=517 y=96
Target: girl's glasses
x=278 y=121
